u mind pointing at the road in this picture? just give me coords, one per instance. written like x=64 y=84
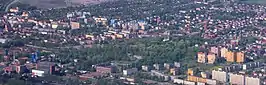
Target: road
x=10 y=4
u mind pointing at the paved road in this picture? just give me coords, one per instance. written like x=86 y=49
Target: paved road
x=10 y=4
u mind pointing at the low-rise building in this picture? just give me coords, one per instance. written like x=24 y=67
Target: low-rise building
x=159 y=74
x=108 y=69
x=174 y=71
x=145 y=68
x=38 y=73
x=129 y=71
x=157 y=66
x=75 y=25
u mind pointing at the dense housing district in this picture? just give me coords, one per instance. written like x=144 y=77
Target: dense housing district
x=128 y=42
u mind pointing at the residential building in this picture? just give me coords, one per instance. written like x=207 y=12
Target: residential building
x=211 y=58
x=240 y=57
x=201 y=57
x=230 y=57
x=220 y=76
x=189 y=83
x=174 y=71
x=75 y=25
x=129 y=71
x=214 y=50
x=91 y=75
x=38 y=73
x=159 y=74
x=223 y=52
x=101 y=69
x=157 y=66
x=190 y=72
x=178 y=81
x=167 y=66
x=145 y=68
x=196 y=79
x=177 y=64
x=252 y=81
x=237 y=79
x=211 y=82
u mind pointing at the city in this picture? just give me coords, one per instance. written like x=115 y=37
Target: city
x=134 y=42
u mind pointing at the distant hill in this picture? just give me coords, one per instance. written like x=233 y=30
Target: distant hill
x=254 y=1
x=59 y=3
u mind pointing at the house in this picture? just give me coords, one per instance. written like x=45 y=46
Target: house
x=167 y=66
x=145 y=68
x=54 y=25
x=174 y=71
x=38 y=73
x=157 y=66
x=159 y=74
x=108 y=69
x=75 y=25
x=130 y=71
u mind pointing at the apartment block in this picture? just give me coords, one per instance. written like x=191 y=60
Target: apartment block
x=240 y=57
x=230 y=56
x=237 y=79
x=223 y=52
x=252 y=81
x=214 y=50
x=211 y=58
x=201 y=57
x=220 y=76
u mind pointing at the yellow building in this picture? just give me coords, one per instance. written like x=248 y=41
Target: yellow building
x=211 y=58
x=240 y=57
x=174 y=71
x=230 y=57
x=201 y=57
x=196 y=79
x=75 y=25
x=190 y=72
